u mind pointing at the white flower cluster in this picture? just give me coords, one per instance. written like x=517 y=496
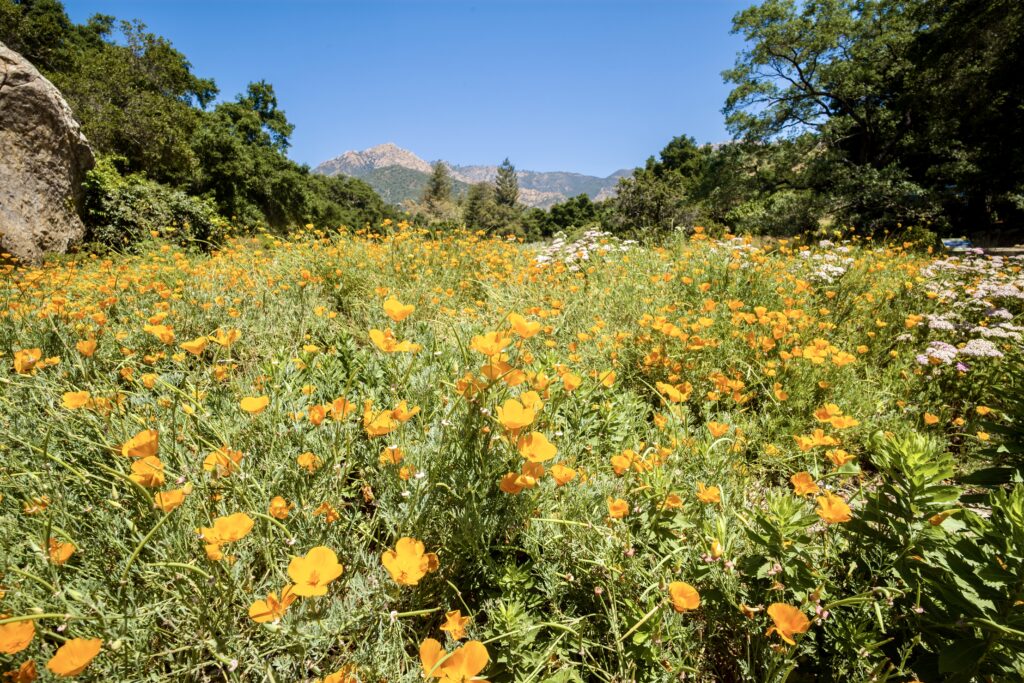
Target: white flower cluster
x=589 y=243
x=827 y=266
x=978 y=293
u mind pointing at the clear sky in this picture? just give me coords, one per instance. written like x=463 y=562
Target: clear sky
x=569 y=85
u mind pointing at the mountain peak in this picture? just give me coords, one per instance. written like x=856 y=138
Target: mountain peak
x=382 y=167
x=380 y=156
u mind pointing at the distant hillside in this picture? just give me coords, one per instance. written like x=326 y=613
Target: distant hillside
x=395 y=184
x=398 y=174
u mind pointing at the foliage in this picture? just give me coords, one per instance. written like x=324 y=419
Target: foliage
x=917 y=97
x=138 y=100
x=506 y=185
x=732 y=459
x=124 y=211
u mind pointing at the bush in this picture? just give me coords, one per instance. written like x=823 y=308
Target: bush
x=122 y=211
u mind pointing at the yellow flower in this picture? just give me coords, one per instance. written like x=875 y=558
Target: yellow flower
x=803 y=484
x=833 y=509
x=148 y=472
x=617 y=508
x=15 y=636
x=407 y=563
x=514 y=416
x=606 y=378
x=254 y=405
x=684 y=596
x=789 y=621
x=144 y=444
x=535 y=447
x=930 y=419
x=273 y=608
x=562 y=474
x=73 y=656
x=314 y=571
x=396 y=310
x=461 y=666
x=455 y=624
x=708 y=494
x=280 y=508
x=73 y=400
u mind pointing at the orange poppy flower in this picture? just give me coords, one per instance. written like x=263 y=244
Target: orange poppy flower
x=195 y=346
x=60 y=552
x=617 y=508
x=26 y=359
x=523 y=327
x=148 y=472
x=273 y=608
x=227 y=529
x=309 y=462
x=280 y=508
x=166 y=501
x=804 y=484
x=562 y=474
x=142 y=445
x=15 y=636
x=407 y=563
x=684 y=596
x=396 y=310
x=254 y=405
x=535 y=447
x=717 y=429
x=489 y=344
x=833 y=509
x=314 y=571
x=223 y=461
x=86 y=347
x=708 y=494
x=74 y=656
x=789 y=621
x=514 y=416
x=455 y=624
x=73 y=400
x=462 y=664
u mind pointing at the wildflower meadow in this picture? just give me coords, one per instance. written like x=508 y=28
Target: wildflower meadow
x=393 y=454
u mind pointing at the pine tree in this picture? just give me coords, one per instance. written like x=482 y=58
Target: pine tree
x=439 y=187
x=506 y=185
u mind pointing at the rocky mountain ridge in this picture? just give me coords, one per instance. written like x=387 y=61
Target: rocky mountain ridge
x=537 y=188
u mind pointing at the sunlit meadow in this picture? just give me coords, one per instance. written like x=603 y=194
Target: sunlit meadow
x=389 y=455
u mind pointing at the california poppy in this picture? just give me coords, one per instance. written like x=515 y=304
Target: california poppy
x=789 y=621
x=314 y=571
x=73 y=656
x=684 y=597
x=408 y=563
x=15 y=636
x=462 y=664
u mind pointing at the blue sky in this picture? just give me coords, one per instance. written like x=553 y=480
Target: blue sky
x=587 y=86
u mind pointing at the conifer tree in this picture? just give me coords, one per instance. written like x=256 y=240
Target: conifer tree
x=506 y=185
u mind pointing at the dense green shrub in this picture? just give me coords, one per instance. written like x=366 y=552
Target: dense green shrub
x=123 y=210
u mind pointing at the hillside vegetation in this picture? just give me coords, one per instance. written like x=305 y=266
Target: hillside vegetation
x=339 y=457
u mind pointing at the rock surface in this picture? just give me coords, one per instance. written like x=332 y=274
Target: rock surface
x=43 y=159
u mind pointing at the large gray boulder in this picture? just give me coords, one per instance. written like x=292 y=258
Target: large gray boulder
x=43 y=160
